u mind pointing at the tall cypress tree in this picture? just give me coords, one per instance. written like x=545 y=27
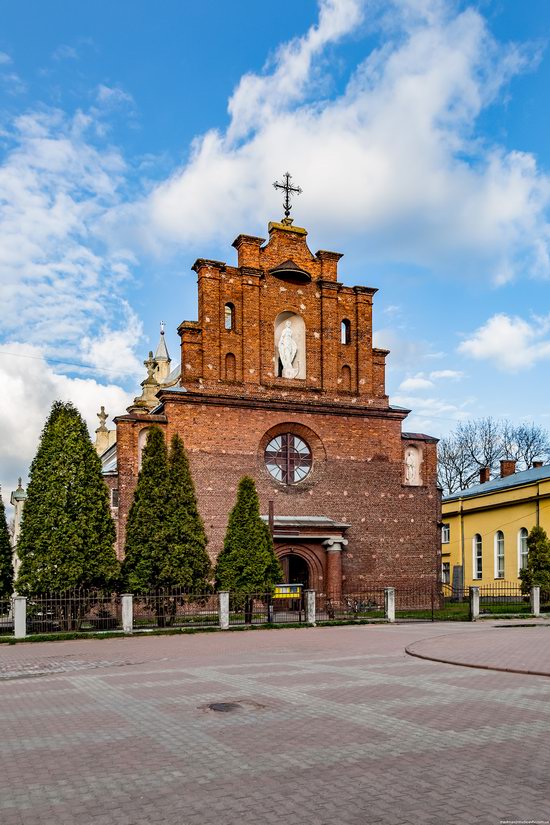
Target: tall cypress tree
x=6 y=556
x=185 y=562
x=537 y=572
x=67 y=533
x=247 y=563
x=146 y=526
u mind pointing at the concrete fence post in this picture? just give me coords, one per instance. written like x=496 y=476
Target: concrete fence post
x=474 y=603
x=19 y=617
x=223 y=610
x=310 y=606
x=389 y=604
x=127 y=612
x=535 y=601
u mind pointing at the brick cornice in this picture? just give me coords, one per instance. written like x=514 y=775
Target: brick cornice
x=200 y=263
x=283 y=404
x=143 y=418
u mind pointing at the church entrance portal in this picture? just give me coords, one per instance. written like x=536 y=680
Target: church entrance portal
x=296 y=570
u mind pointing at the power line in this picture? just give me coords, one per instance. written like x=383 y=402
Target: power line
x=60 y=361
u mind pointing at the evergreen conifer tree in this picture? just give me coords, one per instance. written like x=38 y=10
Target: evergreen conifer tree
x=67 y=533
x=247 y=563
x=6 y=563
x=537 y=572
x=146 y=526
x=184 y=561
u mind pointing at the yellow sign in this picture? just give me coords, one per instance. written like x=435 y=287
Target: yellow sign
x=287 y=591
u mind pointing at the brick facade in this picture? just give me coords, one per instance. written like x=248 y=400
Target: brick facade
x=232 y=400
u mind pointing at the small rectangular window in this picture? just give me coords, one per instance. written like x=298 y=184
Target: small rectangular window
x=446 y=572
x=114 y=497
x=445 y=533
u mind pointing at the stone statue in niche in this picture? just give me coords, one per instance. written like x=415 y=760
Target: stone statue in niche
x=412 y=466
x=288 y=349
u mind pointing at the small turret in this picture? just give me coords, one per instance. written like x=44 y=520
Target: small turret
x=162 y=358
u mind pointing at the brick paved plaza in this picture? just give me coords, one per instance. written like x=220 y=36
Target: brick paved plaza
x=334 y=725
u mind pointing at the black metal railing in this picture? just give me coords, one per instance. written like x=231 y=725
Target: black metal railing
x=502 y=598
x=73 y=611
x=174 y=607
x=365 y=604
x=6 y=617
x=265 y=608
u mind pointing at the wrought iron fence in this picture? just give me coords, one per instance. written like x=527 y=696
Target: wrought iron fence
x=6 y=617
x=75 y=610
x=264 y=608
x=364 y=604
x=174 y=608
x=415 y=603
x=503 y=597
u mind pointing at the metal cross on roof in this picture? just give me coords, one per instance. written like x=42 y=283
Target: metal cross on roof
x=288 y=190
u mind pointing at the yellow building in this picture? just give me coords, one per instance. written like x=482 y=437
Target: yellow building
x=485 y=528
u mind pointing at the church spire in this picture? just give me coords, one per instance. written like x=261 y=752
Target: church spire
x=162 y=358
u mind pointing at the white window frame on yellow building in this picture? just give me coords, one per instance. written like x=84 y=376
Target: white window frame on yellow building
x=523 y=550
x=499 y=549
x=477 y=556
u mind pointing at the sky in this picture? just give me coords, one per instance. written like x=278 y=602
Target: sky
x=138 y=136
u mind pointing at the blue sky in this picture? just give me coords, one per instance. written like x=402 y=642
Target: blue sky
x=137 y=136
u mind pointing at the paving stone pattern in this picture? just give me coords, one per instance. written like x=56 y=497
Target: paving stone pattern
x=334 y=725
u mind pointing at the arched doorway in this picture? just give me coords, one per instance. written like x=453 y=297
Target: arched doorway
x=295 y=570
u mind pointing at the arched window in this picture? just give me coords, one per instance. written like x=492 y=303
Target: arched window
x=346 y=378
x=229 y=317
x=477 y=550
x=499 y=554
x=523 y=550
x=345 y=332
x=230 y=367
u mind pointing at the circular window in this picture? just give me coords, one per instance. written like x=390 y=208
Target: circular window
x=288 y=458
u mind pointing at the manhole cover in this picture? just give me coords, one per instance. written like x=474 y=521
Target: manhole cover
x=224 y=707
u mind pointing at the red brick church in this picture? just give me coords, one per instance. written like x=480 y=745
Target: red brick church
x=278 y=379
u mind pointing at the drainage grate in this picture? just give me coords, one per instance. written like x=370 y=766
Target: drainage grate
x=232 y=706
x=224 y=707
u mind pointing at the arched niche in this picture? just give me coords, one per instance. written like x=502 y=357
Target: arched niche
x=345 y=377
x=230 y=367
x=412 y=461
x=290 y=346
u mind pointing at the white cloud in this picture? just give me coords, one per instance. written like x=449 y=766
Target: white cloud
x=59 y=288
x=65 y=52
x=392 y=164
x=113 y=96
x=510 y=342
x=29 y=386
x=261 y=98
x=454 y=375
x=415 y=384
x=431 y=415
x=4 y=58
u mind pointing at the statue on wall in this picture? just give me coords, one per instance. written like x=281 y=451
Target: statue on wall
x=287 y=351
x=412 y=466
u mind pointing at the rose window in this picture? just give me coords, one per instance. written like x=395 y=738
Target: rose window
x=288 y=458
